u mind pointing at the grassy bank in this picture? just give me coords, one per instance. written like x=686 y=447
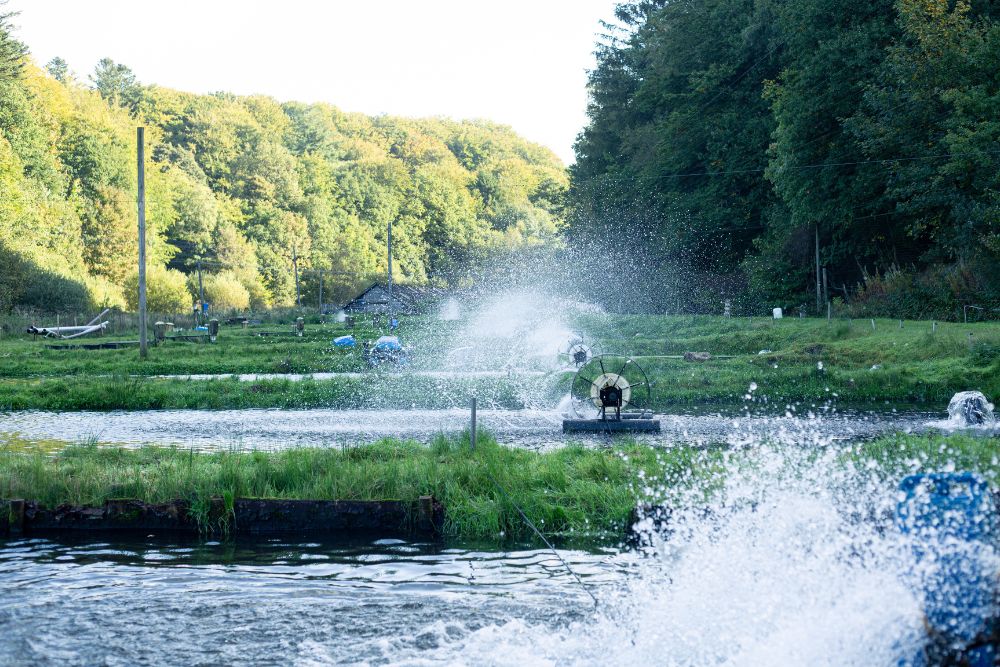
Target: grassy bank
x=237 y=350
x=571 y=491
x=807 y=359
x=374 y=390
x=789 y=360
x=898 y=455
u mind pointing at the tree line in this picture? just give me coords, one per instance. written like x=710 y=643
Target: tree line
x=247 y=188
x=727 y=136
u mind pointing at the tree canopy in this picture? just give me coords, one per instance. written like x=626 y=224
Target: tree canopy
x=732 y=132
x=247 y=188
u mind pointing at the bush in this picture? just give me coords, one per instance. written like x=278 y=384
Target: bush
x=935 y=293
x=224 y=291
x=166 y=291
x=26 y=284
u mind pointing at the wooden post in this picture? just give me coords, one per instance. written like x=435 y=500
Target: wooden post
x=388 y=249
x=140 y=164
x=472 y=427
x=819 y=296
x=321 y=291
x=201 y=295
x=295 y=266
x=873 y=325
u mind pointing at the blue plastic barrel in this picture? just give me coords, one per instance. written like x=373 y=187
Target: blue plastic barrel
x=953 y=518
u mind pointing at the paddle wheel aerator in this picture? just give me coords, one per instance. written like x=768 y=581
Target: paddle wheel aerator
x=579 y=351
x=610 y=394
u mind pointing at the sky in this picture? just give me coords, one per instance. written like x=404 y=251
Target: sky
x=518 y=62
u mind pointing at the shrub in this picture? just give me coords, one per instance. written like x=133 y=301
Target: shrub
x=166 y=291
x=224 y=291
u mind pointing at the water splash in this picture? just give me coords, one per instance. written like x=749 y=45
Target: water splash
x=450 y=310
x=971 y=408
x=968 y=410
x=518 y=330
x=775 y=555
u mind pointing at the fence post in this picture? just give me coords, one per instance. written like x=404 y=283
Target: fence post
x=472 y=427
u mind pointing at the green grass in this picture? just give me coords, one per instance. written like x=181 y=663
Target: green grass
x=376 y=390
x=572 y=491
x=905 y=365
x=899 y=455
x=859 y=364
x=236 y=351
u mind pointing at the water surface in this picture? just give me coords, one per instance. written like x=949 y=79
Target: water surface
x=536 y=429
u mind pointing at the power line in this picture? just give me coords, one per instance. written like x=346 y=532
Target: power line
x=821 y=165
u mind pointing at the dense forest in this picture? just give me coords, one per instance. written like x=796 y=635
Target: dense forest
x=248 y=187
x=728 y=141
x=727 y=136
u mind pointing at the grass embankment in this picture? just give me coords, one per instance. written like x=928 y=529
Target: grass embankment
x=805 y=360
x=899 y=455
x=237 y=350
x=374 y=390
x=569 y=491
x=573 y=491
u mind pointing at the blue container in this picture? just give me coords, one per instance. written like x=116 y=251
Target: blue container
x=344 y=341
x=952 y=516
x=387 y=344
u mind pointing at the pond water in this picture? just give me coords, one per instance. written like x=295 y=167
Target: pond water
x=537 y=429
x=154 y=602
x=787 y=568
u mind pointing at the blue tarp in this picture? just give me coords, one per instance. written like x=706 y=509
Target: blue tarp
x=387 y=344
x=344 y=341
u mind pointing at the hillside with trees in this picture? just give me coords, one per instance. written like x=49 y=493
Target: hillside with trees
x=726 y=136
x=247 y=187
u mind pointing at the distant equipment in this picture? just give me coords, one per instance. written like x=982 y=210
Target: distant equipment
x=67 y=333
x=579 y=351
x=609 y=394
x=386 y=350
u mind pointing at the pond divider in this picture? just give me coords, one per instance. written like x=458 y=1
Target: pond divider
x=242 y=516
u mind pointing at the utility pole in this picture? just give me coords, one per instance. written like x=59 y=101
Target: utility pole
x=295 y=265
x=321 y=291
x=388 y=246
x=819 y=294
x=140 y=164
x=201 y=294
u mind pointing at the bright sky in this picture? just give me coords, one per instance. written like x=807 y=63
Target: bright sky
x=518 y=62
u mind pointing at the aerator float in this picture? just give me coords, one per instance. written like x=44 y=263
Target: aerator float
x=610 y=394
